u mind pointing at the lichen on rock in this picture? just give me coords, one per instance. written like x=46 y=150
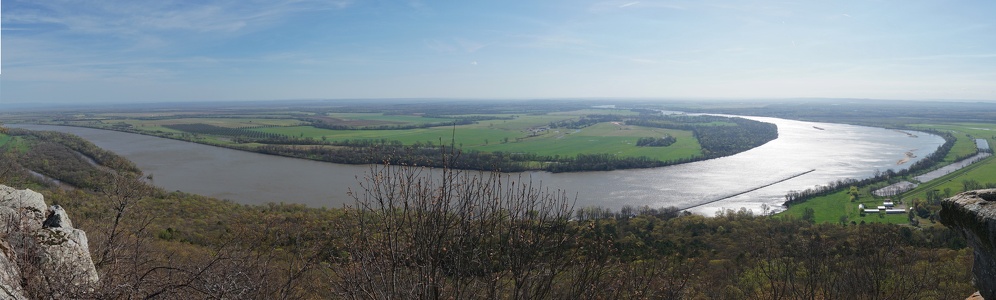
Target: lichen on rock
x=973 y=214
x=40 y=249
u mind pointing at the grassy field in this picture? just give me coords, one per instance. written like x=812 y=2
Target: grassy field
x=603 y=138
x=831 y=208
x=396 y=119
x=4 y=139
x=522 y=135
x=596 y=111
x=12 y=143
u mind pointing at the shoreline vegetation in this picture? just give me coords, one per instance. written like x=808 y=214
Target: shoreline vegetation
x=544 y=140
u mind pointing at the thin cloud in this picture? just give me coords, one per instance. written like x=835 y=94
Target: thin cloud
x=469 y=46
x=947 y=56
x=131 y=19
x=439 y=46
x=554 y=41
x=644 y=61
x=629 y=4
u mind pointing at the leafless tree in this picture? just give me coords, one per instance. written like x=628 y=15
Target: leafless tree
x=443 y=233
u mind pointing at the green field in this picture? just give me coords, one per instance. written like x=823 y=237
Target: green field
x=4 y=139
x=596 y=111
x=397 y=119
x=522 y=135
x=603 y=138
x=830 y=209
x=13 y=143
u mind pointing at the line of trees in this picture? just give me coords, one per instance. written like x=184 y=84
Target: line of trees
x=324 y=124
x=424 y=154
x=664 y=141
x=586 y=121
x=240 y=132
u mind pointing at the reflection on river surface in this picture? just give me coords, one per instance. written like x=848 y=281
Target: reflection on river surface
x=835 y=151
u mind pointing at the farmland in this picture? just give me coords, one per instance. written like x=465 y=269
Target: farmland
x=550 y=137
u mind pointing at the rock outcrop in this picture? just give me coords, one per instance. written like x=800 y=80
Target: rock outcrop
x=974 y=215
x=40 y=249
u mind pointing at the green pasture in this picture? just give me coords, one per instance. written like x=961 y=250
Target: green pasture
x=13 y=143
x=480 y=134
x=830 y=208
x=405 y=119
x=979 y=130
x=4 y=139
x=523 y=122
x=605 y=138
x=596 y=111
x=522 y=135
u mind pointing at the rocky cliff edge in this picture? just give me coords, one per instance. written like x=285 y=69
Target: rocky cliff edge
x=40 y=249
x=974 y=215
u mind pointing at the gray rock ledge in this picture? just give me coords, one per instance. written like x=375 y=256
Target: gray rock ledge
x=40 y=250
x=973 y=214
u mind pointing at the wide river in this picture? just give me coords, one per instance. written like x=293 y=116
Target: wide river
x=834 y=151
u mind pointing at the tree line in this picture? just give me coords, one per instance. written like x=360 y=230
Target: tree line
x=246 y=133
x=585 y=121
x=457 y=120
x=324 y=124
x=664 y=141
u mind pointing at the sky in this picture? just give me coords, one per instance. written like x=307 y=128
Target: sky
x=158 y=51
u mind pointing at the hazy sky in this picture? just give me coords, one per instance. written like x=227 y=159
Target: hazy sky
x=144 y=51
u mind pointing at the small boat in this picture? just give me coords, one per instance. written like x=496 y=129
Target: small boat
x=818 y=128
